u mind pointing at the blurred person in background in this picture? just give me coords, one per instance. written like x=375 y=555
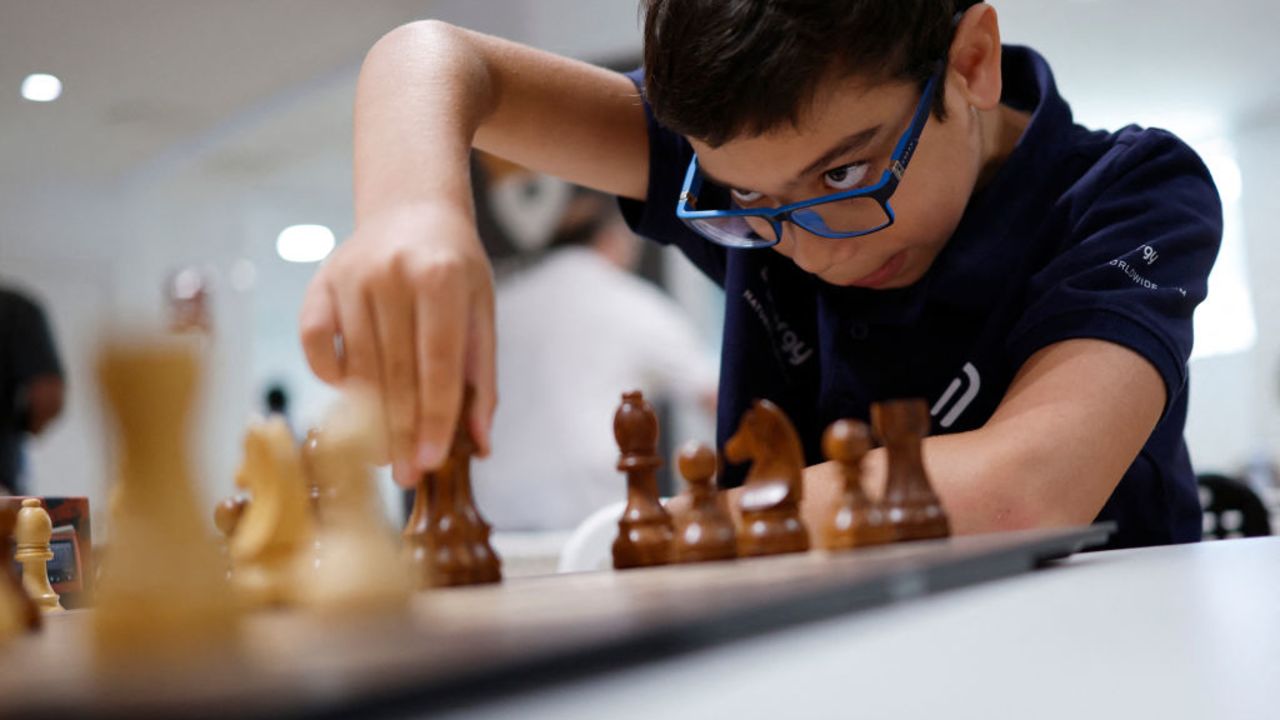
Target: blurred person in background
x=576 y=329
x=31 y=383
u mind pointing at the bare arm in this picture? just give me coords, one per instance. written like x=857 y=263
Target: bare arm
x=410 y=293
x=428 y=90
x=1069 y=426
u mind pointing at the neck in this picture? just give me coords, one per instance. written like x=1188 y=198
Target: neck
x=999 y=131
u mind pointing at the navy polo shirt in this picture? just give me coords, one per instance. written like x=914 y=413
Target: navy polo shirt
x=1081 y=234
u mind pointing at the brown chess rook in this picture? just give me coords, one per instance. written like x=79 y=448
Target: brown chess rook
x=912 y=507
x=446 y=538
x=645 y=531
x=703 y=531
x=770 y=500
x=854 y=521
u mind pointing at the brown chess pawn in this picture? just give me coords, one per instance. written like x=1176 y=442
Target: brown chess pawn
x=33 y=531
x=226 y=517
x=227 y=514
x=912 y=507
x=308 y=471
x=703 y=531
x=446 y=538
x=770 y=500
x=854 y=521
x=645 y=529
x=18 y=612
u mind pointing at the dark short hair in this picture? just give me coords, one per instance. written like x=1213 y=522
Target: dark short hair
x=720 y=69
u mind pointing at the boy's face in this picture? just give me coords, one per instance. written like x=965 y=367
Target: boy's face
x=852 y=127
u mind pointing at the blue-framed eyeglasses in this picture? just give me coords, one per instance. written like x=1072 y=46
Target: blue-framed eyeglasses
x=710 y=210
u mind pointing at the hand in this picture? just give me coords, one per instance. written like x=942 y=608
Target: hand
x=405 y=305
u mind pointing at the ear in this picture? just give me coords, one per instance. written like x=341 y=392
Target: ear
x=975 y=57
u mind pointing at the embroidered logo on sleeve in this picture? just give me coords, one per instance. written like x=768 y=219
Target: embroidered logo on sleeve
x=1149 y=257
x=969 y=375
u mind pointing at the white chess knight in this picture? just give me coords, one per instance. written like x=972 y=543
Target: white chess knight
x=33 y=532
x=276 y=528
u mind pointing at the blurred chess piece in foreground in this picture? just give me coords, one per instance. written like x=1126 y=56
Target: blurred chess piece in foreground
x=163 y=598
x=18 y=612
x=276 y=527
x=357 y=565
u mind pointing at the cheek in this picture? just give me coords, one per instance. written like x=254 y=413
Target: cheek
x=936 y=189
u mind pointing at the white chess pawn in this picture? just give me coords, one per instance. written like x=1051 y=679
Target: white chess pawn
x=33 y=532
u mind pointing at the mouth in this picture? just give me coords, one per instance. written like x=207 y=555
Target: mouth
x=884 y=274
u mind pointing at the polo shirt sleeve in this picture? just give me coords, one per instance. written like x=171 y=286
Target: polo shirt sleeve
x=655 y=217
x=1144 y=227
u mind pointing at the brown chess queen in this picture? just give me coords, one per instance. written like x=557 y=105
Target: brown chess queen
x=770 y=500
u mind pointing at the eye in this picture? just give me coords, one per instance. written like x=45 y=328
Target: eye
x=745 y=197
x=846 y=177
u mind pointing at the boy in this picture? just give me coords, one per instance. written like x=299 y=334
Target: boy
x=895 y=205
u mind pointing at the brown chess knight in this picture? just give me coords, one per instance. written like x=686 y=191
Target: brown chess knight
x=770 y=499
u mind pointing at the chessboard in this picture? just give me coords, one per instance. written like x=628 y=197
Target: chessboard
x=311 y=605
x=463 y=645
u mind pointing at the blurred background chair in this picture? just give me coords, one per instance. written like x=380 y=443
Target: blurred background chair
x=1231 y=509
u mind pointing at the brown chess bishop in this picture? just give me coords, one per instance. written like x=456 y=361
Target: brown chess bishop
x=645 y=531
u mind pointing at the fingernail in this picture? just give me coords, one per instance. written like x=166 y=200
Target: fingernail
x=430 y=455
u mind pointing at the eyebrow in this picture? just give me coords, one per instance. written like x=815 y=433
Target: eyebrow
x=849 y=144
x=843 y=147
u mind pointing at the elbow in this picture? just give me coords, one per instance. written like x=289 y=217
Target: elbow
x=417 y=31
x=416 y=42
x=1019 y=511
x=426 y=53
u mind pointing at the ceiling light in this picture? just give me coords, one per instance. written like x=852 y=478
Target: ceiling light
x=41 y=87
x=305 y=243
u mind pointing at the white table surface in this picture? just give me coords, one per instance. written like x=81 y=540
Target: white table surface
x=1190 y=631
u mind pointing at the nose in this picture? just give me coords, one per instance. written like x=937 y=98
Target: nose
x=810 y=252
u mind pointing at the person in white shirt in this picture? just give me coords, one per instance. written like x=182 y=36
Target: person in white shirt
x=577 y=329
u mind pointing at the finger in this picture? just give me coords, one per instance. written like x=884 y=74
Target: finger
x=393 y=324
x=440 y=349
x=360 y=363
x=482 y=372
x=404 y=475
x=318 y=327
x=359 y=358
